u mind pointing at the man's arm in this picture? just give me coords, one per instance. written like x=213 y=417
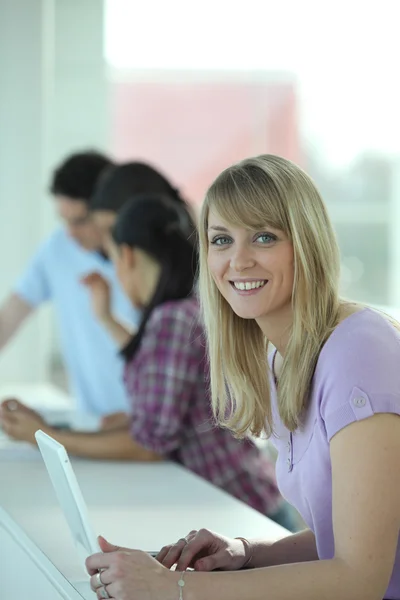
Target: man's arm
x=13 y=313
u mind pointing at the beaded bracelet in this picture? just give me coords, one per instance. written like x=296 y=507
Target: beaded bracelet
x=181 y=584
x=248 y=548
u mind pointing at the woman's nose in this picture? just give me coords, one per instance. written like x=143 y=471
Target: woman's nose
x=242 y=259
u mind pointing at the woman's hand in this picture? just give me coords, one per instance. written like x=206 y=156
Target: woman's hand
x=100 y=292
x=130 y=575
x=204 y=550
x=19 y=421
x=118 y=420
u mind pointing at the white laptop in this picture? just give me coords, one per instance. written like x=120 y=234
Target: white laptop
x=71 y=501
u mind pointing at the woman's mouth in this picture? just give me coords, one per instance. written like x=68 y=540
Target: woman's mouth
x=248 y=287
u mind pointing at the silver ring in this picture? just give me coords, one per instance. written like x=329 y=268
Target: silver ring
x=103 y=592
x=183 y=540
x=99 y=582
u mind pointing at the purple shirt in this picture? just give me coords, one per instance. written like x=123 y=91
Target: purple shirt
x=357 y=375
x=167 y=382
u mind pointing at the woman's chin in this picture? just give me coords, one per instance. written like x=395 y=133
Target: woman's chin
x=247 y=313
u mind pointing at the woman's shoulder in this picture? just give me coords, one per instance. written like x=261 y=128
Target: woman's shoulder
x=358 y=371
x=178 y=319
x=363 y=329
x=366 y=341
x=185 y=309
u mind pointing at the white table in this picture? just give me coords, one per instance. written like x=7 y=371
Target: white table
x=25 y=572
x=136 y=505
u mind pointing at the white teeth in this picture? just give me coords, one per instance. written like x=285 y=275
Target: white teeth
x=248 y=285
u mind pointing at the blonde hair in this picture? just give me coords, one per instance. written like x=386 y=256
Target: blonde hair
x=260 y=191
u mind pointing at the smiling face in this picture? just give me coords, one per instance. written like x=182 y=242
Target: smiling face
x=253 y=269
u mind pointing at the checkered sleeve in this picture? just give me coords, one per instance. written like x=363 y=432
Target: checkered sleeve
x=168 y=373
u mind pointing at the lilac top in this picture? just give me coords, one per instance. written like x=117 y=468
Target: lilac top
x=170 y=409
x=357 y=375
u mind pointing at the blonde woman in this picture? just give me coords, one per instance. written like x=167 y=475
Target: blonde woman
x=328 y=396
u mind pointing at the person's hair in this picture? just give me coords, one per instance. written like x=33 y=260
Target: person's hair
x=161 y=228
x=77 y=176
x=121 y=182
x=260 y=191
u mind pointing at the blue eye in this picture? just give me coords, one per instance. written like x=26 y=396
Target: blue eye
x=266 y=238
x=220 y=240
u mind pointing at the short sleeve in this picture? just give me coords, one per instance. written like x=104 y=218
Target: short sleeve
x=33 y=286
x=362 y=372
x=167 y=374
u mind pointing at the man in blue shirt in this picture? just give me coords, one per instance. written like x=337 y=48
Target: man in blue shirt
x=55 y=273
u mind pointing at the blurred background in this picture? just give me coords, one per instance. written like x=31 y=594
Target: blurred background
x=192 y=87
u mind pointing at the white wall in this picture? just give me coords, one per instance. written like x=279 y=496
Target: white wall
x=53 y=100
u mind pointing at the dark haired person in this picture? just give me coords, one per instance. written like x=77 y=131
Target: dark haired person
x=120 y=183
x=165 y=365
x=54 y=274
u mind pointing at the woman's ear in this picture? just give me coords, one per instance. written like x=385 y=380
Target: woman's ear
x=128 y=255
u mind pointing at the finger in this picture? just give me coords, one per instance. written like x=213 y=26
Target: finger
x=112 y=590
x=191 y=552
x=8 y=427
x=9 y=422
x=11 y=405
x=6 y=417
x=100 y=579
x=14 y=419
x=174 y=553
x=219 y=560
x=90 y=277
x=166 y=549
x=91 y=284
x=118 y=419
x=13 y=430
x=97 y=561
x=105 y=422
x=15 y=408
x=104 y=592
x=99 y=280
x=107 y=547
x=163 y=553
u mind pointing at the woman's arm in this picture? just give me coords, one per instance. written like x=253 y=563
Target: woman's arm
x=366 y=522
x=296 y=548
x=21 y=423
x=120 y=334
x=206 y=550
x=116 y=444
x=100 y=292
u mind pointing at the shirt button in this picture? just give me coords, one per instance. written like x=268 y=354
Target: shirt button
x=359 y=402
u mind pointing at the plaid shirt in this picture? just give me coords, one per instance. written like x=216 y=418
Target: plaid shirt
x=171 y=414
